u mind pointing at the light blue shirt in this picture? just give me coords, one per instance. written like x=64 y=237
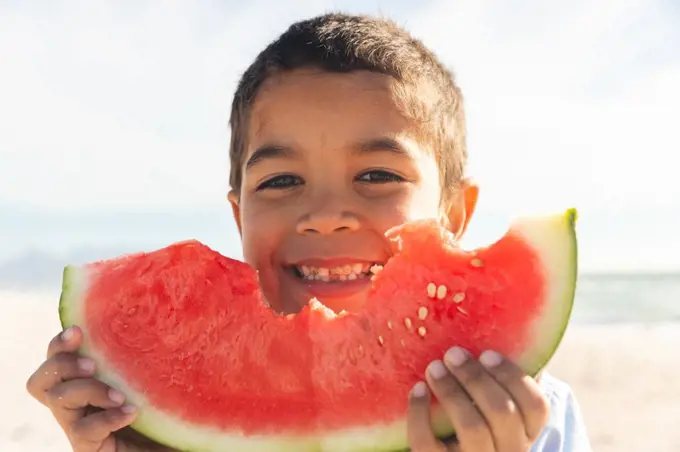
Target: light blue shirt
x=565 y=431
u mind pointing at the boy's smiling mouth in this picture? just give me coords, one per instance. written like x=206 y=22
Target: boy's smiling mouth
x=338 y=273
x=335 y=282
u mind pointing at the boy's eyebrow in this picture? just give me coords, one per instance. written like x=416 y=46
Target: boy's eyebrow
x=269 y=151
x=382 y=144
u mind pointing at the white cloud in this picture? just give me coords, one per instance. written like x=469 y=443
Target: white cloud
x=569 y=103
x=114 y=106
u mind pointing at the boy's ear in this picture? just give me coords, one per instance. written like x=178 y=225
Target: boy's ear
x=462 y=207
x=235 y=209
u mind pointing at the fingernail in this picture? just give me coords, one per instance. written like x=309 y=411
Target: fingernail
x=86 y=365
x=67 y=334
x=437 y=369
x=456 y=356
x=116 y=396
x=128 y=409
x=490 y=359
x=419 y=389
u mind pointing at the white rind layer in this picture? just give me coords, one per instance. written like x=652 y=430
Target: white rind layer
x=552 y=237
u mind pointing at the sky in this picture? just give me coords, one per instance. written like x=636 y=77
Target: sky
x=113 y=116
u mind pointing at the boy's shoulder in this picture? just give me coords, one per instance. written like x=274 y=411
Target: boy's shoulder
x=554 y=388
x=565 y=431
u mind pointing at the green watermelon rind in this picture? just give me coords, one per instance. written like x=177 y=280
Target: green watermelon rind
x=550 y=330
x=547 y=333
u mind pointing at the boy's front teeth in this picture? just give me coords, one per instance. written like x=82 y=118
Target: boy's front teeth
x=347 y=272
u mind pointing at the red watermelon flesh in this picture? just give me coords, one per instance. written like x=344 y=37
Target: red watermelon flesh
x=186 y=334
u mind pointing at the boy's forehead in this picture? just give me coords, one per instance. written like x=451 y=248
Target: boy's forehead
x=317 y=102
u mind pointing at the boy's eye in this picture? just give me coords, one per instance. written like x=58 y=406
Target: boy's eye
x=379 y=177
x=280 y=182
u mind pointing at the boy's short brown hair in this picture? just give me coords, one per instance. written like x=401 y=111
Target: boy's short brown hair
x=341 y=43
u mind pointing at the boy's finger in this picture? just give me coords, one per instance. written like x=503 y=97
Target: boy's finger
x=59 y=368
x=68 y=400
x=420 y=435
x=525 y=391
x=66 y=341
x=97 y=427
x=471 y=428
x=493 y=401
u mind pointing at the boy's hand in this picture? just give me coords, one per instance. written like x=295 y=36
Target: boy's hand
x=86 y=409
x=492 y=404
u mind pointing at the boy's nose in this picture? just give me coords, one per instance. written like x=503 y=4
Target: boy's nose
x=327 y=223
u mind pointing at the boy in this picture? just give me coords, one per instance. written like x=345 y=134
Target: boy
x=342 y=128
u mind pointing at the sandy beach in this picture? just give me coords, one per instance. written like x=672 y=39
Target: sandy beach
x=625 y=378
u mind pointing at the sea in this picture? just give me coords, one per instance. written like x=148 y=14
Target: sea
x=627 y=298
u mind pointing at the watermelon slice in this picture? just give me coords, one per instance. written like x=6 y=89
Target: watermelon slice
x=186 y=334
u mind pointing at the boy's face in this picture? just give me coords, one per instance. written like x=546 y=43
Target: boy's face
x=331 y=164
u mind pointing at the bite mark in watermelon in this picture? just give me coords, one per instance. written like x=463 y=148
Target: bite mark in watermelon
x=186 y=334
